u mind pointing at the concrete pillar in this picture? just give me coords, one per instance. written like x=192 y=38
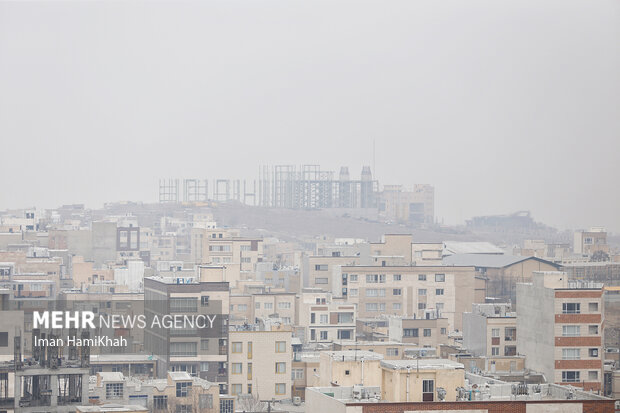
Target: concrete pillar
x=17 y=391
x=54 y=384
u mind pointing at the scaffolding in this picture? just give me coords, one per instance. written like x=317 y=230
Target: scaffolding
x=195 y=190
x=168 y=190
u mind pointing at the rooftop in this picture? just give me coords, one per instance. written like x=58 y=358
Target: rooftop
x=487 y=260
x=422 y=364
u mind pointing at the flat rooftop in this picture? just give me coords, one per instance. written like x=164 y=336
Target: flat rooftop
x=422 y=364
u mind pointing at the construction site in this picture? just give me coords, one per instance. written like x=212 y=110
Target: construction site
x=54 y=378
x=280 y=186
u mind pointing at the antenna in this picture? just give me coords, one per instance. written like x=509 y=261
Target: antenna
x=374 y=170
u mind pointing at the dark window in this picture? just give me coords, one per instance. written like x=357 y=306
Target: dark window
x=4 y=339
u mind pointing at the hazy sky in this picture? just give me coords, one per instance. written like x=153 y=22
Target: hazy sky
x=502 y=105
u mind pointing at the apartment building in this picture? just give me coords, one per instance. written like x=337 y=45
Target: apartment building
x=201 y=352
x=390 y=350
x=422 y=332
x=261 y=364
x=588 y=242
x=427 y=253
x=490 y=330
x=412 y=290
x=324 y=272
x=323 y=320
x=559 y=324
x=246 y=308
x=178 y=392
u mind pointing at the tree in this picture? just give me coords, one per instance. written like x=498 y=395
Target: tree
x=250 y=403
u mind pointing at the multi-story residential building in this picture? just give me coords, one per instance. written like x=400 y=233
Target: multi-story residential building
x=178 y=392
x=559 y=324
x=423 y=332
x=324 y=320
x=246 y=308
x=426 y=253
x=260 y=363
x=390 y=350
x=588 y=242
x=412 y=290
x=490 y=330
x=416 y=206
x=201 y=352
x=324 y=272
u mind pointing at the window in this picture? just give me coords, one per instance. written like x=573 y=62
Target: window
x=205 y=401
x=284 y=305
x=236 y=368
x=593 y=330
x=444 y=331
x=428 y=390
x=280 y=367
x=257 y=306
x=280 y=388
x=382 y=278
x=246 y=260
x=371 y=292
x=312 y=334
x=320 y=280
x=439 y=291
x=421 y=306
x=571 y=331
x=321 y=267
x=242 y=307
x=570 y=354
x=268 y=306
x=4 y=339
x=570 y=377
x=183 y=305
x=280 y=346
x=204 y=344
x=593 y=307
x=410 y=332
x=204 y=366
x=236 y=347
x=114 y=390
x=323 y=319
x=422 y=291
x=593 y=352
x=249 y=371
x=249 y=388
x=183 y=349
x=396 y=277
x=495 y=332
x=204 y=301
x=427 y=332
x=421 y=277
x=353 y=292
x=593 y=375
x=323 y=335
x=344 y=334
x=183 y=388
x=495 y=351
x=345 y=318
x=353 y=278
x=370 y=278
x=312 y=318
x=396 y=291
x=391 y=351
x=571 y=308
x=245 y=248
x=297 y=374
x=439 y=278
x=235 y=389
x=160 y=402
x=396 y=306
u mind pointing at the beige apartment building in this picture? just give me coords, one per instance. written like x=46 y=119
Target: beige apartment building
x=390 y=350
x=427 y=253
x=420 y=332
x=559 y=324
x=261 y=363
x=324 y=320
x=588 y=242
x=247 y=308
x=414 y=290
x=419 y=380
x=324 y=271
